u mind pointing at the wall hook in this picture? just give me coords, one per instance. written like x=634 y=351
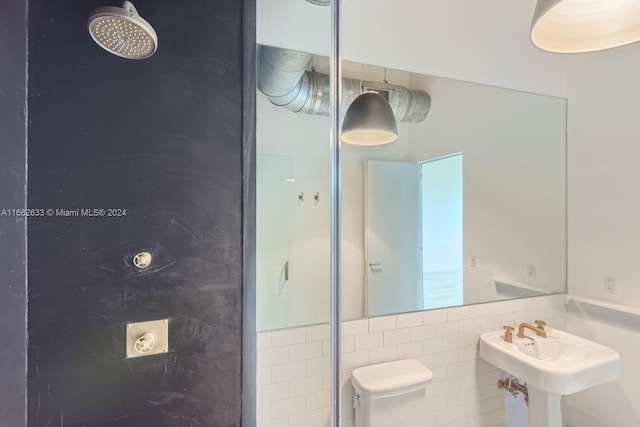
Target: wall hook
x=301 y=197
x=317 y=197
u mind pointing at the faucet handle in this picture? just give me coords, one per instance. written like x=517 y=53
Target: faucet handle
x=540 y=323
x=508 y=333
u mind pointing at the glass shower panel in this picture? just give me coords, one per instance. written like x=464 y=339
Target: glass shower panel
x=293 y=135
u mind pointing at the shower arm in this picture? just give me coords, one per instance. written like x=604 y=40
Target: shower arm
x=127 y=5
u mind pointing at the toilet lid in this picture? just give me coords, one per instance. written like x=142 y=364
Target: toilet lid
x=400 y=376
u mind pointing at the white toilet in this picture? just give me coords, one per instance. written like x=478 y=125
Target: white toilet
x=390 y=394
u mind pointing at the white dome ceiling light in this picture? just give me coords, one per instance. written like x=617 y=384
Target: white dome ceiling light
x=575 y=26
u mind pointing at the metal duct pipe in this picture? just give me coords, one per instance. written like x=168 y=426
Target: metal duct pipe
x=283 y=78
x=280 y=73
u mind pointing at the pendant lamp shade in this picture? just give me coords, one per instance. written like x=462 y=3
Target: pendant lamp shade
x=369 y=121
x=574 y=26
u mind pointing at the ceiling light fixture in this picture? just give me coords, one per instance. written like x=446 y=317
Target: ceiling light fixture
x=575 y=26
x=369 y=121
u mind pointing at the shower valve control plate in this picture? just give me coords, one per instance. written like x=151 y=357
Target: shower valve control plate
x=147 y=338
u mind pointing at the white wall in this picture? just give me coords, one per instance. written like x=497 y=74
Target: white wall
x=604 y=155
x=478 y=41
x=615 y=403
x=294 y=364
x=603 y=213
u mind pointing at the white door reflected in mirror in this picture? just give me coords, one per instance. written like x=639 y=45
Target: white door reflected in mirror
x=393 y=238
x=414 y=235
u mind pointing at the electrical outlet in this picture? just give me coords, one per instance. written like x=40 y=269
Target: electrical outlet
x=473 y=261
x=531 y=270
x=610 y=284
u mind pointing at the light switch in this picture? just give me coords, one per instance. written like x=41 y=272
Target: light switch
x=147 y=338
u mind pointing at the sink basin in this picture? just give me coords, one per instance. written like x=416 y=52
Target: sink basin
x=554 y=350
x=560 y=364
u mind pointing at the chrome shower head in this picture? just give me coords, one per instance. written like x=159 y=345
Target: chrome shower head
x=121 y=31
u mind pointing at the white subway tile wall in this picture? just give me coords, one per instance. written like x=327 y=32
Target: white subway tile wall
x=294 y=365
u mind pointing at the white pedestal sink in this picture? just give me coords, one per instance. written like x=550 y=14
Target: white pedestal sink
x=554 y=366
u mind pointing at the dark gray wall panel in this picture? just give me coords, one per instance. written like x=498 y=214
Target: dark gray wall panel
x=161 y=138
x=13 y=33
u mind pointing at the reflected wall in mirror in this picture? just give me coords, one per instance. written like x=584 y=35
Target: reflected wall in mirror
x=275 y=194
x=467 y=206
x=292 y=144
x=293 y=203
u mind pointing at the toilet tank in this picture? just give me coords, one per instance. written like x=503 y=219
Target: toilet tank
x=390 y=394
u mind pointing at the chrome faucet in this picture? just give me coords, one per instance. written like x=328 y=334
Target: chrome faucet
x=539 y=329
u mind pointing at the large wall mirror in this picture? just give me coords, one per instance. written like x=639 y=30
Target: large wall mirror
x=468 y=205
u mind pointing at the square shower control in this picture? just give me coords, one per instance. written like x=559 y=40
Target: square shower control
x=147 y=338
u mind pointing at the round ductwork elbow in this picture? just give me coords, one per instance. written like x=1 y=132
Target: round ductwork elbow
x=284 y=79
